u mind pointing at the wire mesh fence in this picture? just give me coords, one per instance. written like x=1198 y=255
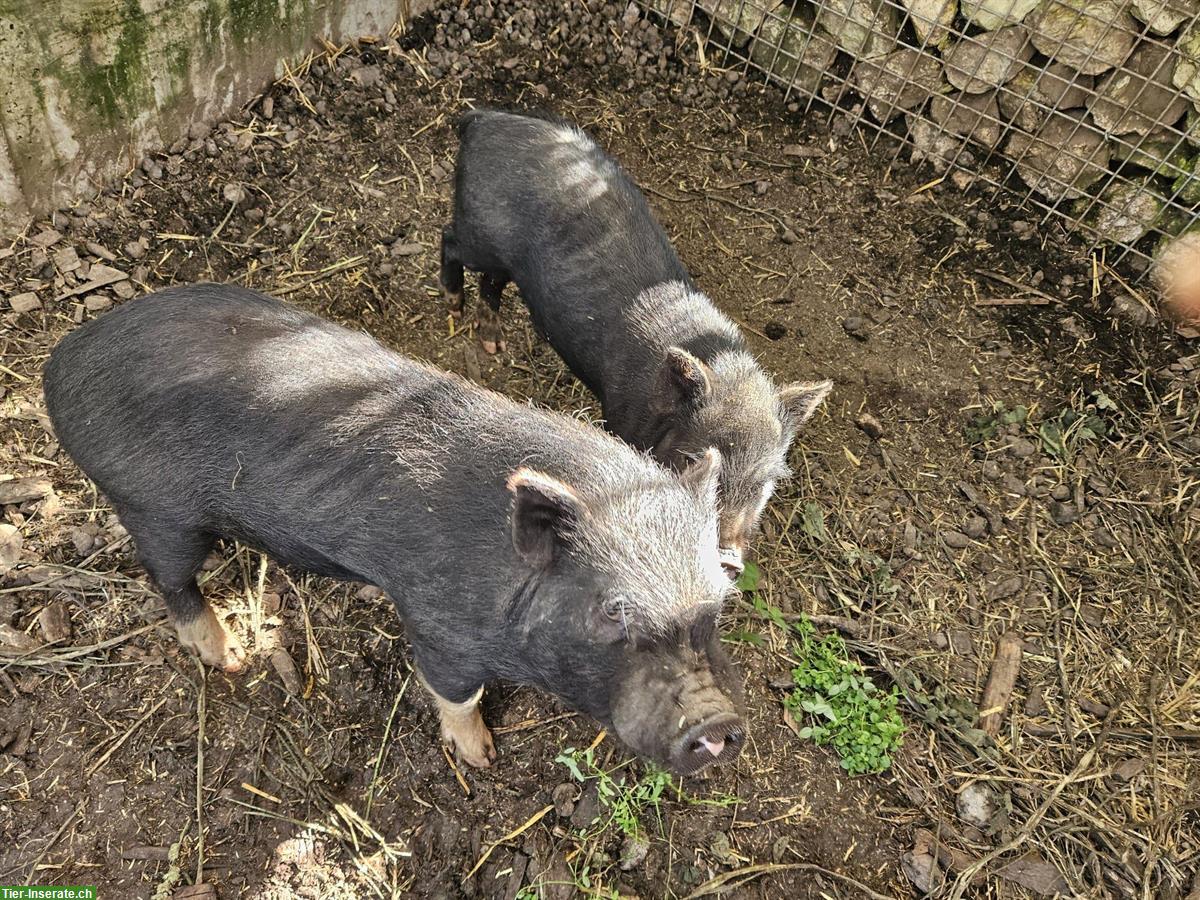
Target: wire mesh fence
x=1087 y=110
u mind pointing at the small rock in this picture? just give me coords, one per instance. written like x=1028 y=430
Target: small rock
x=1091 y=36
x=268 y=107
x=285 y=667
x=564 y=798
x=233 y=193
x=135 y=249
x=22 y=490
x=587 y=807
x=368 y=592
x=54 y=622
x=978 y=805
x=66 y=260
x=124 y=289
x=1002 y=590
x=46 y=238
x=1014 y=485
x=1063 y=513
x=1021 y=448
x=399 y=249
x=870 y=426
x=1129 y=769
x=1060 y=492
x=920 y=864
x=26 y=302
x=955 y=540
x=1035 y=703
x=100 y=251
x=83 y=541
x=856 y=327
x=975 y=527
x=97 y=303
x=774 y=331
x=1127 y=307
x=720 y=847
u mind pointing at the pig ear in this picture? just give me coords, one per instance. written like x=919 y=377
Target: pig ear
x=802 y=398
x=684 y=379
x=701 y=475
x=544 y=510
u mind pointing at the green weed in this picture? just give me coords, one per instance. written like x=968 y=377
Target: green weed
x=842 y=706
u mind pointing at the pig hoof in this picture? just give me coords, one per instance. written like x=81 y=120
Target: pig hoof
x=472 y=745
x=211 y=641
x=456 y=304
x=491 y=347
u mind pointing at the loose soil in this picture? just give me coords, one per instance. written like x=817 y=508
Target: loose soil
x=123 y=764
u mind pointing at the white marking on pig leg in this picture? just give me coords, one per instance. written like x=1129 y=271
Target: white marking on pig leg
x=209 y=639
x=463 y=729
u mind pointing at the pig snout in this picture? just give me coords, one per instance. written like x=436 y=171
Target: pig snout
x=717 y=739
x=681 y=715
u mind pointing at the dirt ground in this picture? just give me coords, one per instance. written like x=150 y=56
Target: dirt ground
x=1037 y=474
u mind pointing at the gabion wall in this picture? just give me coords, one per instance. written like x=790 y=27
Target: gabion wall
x=1089 y=108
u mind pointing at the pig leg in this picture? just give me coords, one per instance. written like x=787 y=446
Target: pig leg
x=452 y=273
x=173 y=554
x=491 y=291
x=463 y=729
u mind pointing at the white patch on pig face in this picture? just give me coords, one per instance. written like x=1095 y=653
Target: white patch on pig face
x=582 y=179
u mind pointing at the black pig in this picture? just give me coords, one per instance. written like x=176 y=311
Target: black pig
x=538 y=203
x=515 y=543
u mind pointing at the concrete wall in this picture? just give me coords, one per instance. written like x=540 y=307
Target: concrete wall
x=87 y=86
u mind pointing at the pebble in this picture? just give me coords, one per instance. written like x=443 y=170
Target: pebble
x=406 y=249
x=856 y=327
x=135 y=250
x=26 y=302
x=870 y=426
x=1063 y=513
x=977 y=805
x=955 y=539
x=774 y=331
x=975 y=527
x=1013 y=485
x=1061 y=492
x=97 y=302
x=1021 y=448
x=563 y=797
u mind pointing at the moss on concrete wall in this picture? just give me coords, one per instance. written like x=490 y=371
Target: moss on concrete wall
x=87 y=86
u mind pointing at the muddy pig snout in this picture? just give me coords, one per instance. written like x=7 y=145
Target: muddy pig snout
x=717 y=739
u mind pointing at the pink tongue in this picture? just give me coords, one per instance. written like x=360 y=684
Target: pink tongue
x=713 y=747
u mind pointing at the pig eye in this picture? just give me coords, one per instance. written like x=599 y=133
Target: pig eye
x=614 y=608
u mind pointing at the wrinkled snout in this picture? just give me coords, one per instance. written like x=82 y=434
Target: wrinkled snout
x=718 y=739
x=681 y=708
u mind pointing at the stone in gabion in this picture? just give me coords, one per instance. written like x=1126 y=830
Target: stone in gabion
x=980 y=64
x=1063 y=158
x=1124 y=213
x=863 y=28
x=1089 y=35
x=1162 y=151
x=794 y=53
x=992 y=14
x=932 y=20
x=1024 y=101
x=1138 y=96
x=935 y=144
x=975 y=117
x=678 y=12
x=899 y=82
x=1187 y=65
x=739 y=19
x=1186 y=187
x=1163 y=16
